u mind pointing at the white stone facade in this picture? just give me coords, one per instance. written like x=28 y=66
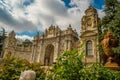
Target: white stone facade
x=53 y=42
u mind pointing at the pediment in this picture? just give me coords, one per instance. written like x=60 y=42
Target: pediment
x=88 y=33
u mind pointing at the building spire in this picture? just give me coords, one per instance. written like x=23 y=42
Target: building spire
x=12 y=34
x=90 y=9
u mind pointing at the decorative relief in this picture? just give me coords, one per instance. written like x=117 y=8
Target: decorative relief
x=51 y=31
x=89 y=22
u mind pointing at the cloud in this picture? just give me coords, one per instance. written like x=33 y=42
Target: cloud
x=18 y=25
x=101 y=14
x=33 y=15
x=24 y=37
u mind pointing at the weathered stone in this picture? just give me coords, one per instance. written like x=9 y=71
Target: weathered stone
x=53 y=42
x=28 y=75
x=89 y=34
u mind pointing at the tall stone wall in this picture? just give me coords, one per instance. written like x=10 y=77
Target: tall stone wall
x=12 y=48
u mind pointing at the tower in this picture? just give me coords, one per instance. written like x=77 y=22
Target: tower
x=10 y=44
x=89 y=35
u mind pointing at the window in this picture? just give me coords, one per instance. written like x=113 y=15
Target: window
x=89 y=50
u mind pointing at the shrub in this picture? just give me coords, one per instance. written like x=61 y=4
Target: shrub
x=69 y=66
x=10 y=68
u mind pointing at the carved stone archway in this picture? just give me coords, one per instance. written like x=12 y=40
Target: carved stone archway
x=49 y=55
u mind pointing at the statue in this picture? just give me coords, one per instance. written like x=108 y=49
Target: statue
x=28 y=75
x=108 y=43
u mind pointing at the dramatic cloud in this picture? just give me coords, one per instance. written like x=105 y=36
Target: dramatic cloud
x=15 y=24
x=8 y=18
x=33 y=15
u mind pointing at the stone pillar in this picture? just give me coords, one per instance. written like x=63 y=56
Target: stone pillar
x=42 y=54
x=56 y=51
x=66 y=44
x=32 y=53
x=39 y=53
x=38 y=57
x=69 y=45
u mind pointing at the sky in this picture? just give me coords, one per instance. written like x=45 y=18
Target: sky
x=27 y=17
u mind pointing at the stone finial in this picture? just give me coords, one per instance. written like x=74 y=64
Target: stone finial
x=69 y=27
x=75 y=30
x=57 y=28
x=51 y=27
x=37 y=36
x=28 y=75
x=90 y=9
x=12 y=34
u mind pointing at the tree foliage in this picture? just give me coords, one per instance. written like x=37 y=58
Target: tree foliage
x=69 y=66
x=111 y=21
x=98 y=72
x=2 y=39
x=11 y=68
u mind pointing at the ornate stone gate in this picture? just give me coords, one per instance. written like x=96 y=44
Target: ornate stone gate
x=53 y=43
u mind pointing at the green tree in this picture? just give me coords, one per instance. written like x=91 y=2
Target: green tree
x=67 y=67
x=111 y=21
x=2 y=39
x=98 y=72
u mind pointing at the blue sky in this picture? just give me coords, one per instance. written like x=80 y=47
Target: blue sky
x=28 y=2
x=27 y=17
x=96 y=3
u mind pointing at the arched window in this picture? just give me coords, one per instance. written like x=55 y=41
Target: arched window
x=89 y=49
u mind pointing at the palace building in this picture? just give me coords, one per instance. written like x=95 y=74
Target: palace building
x=46 y=47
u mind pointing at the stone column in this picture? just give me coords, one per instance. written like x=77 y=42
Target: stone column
x=66 y=44
x=56 y=51
x=32 y=53
x=69 y=45
x=42 y=54
x=39 y=53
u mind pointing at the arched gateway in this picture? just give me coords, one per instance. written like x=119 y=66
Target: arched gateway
x=53 y=42
x=49 y=53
